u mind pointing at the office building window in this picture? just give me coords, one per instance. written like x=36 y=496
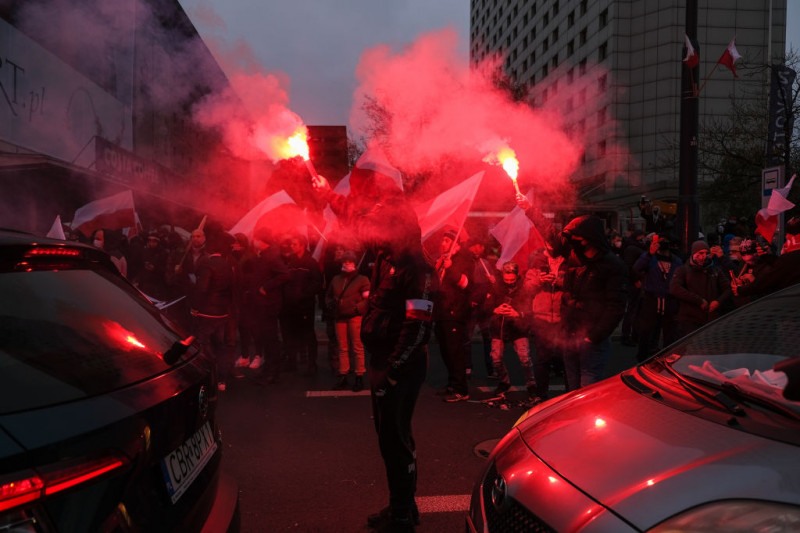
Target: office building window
x=582 y=37
x=554 y=61
x=604 y=18
x=584 y=6
x=555 y=35
x=602 y=83
x=602 y=52
x=545 y=45
x=601 y=116
x=570 y=47
x=571 y=19
x=570 y=76
x=582 y=67
x=545 y=70
x=601 y=148
x=555 y=8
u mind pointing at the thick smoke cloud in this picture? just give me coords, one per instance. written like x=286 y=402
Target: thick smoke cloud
x=439 y=107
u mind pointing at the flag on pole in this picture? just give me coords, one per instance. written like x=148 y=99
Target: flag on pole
x=373 y=173
x=449 y=208
x=518 y=238
x=730 y=56
x=692 y=58
x=57 y=230
x=113 y=212
x=248 y=223
x=767 y=218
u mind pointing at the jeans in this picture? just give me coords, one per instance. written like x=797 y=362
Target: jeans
x=348 y=336
x=522 y=347
x=585 y=362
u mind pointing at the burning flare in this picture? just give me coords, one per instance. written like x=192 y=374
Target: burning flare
x=297 y=145
x=507 y=158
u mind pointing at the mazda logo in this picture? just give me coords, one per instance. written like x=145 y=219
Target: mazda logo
x=202 y=401
x=500 y=494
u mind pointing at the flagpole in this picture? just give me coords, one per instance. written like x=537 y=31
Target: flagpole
x=707 y=77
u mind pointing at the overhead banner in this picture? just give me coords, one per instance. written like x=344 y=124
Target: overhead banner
x=781 y=118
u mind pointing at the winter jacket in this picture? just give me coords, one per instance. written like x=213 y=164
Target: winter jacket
x=213 y=295
x=268 y=272
x=546 y=297
x=305 y=282
x=693 y=283
x=595 y=293
x=396 y=326
x=453 y=300
x=503 y=327
x=345 y=295
x=655 y=280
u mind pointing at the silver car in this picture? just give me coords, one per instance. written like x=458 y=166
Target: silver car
x=701 y=437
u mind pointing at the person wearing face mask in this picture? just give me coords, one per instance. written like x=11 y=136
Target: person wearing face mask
x=658 y=309
x=700 y=287
x=753 y=268
x=595 y=294
x=509 y=305
x=785 y=268
x=346 y=298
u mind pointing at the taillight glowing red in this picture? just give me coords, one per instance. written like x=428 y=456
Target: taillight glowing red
x=53 y=251
x=30 y=486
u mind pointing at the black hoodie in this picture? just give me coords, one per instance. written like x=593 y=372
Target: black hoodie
x=595 y=292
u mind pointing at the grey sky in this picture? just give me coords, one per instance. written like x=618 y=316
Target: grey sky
x=318 y=43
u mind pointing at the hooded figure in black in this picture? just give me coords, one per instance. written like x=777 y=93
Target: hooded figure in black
x=595 y=294
x=395 y=330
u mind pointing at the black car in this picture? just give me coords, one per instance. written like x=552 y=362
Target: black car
x=107 y=410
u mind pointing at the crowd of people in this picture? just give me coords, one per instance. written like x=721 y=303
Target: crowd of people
x=253 y=304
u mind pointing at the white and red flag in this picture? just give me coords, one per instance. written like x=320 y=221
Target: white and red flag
x=730 y=56
x=767 y=218
x=692 y=58
x=449 y=208
x=113 y=212
x=373 y=171
x=271 y=204
x=518 y=238
x=57 y=230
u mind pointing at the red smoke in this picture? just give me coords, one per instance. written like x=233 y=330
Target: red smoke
x=441 y=108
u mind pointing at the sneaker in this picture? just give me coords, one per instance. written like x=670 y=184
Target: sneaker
x=221 y=386
x=502 y=388
x=456 y=397
x=532 y=396
x=358 y=386
x=242 y=362
x=257 y=362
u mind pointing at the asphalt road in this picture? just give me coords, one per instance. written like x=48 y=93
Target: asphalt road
x=306 y=458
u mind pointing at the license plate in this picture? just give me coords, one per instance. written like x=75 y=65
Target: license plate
x=183 y=464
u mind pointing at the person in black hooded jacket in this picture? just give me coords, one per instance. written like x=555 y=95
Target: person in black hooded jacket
x=594 y=301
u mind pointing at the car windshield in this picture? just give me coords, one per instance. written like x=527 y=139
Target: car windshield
x=69 y=334
x=742 y=347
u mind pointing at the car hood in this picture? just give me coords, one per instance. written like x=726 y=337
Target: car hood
x=648 y=461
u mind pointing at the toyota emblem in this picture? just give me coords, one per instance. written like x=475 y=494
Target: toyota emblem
x=500 y=494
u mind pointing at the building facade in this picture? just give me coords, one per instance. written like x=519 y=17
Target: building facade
x=613 y=68
x=96 y=98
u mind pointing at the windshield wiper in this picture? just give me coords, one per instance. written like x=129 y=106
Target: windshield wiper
x=763 y=401
x=700 y=392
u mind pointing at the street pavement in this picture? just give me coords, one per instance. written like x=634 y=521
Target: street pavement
x=306 y=458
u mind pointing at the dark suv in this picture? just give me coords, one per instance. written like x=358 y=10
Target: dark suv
x=107 y=410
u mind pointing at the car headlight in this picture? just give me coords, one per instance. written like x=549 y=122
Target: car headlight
x=734 y=515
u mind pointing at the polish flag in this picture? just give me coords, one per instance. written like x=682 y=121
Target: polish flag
x=330 y=219
x=518 y=238
x=57 y=230
x=248 y=223
x=730 y=56
x=767 y=218
x=449 y=208
x=113 y=212
x=373 y=171
x=692 y=58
